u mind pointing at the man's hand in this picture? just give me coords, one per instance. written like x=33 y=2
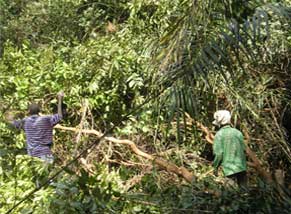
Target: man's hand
x=9 y=117
x=60 y=100
x=61 y=95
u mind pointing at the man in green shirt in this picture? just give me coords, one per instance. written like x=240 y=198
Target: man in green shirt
x=229 y=149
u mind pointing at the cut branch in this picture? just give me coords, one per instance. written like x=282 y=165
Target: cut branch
x=164 y=164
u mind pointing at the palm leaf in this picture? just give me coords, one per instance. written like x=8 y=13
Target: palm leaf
x=231 y=43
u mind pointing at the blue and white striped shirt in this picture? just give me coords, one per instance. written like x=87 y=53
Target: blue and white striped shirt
x=39 y=133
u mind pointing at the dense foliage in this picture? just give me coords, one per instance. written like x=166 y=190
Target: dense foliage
x=148 y=69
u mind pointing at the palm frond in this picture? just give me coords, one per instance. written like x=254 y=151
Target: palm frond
x=235 y=42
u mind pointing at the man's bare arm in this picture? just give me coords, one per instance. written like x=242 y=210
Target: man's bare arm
x=60 y=102
x=11 y=122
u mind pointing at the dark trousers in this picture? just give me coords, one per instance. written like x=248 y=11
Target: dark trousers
x=241 y=179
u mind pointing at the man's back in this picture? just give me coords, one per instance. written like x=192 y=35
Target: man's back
x=229 y=143
x=39 y=133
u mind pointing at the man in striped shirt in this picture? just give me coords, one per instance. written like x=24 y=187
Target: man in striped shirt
x=39 y=130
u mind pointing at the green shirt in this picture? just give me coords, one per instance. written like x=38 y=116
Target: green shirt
x=229 y=151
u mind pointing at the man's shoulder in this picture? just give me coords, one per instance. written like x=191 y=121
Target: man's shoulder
x=48 y=116
x=31 y=117
x=235 y=132
x=230 y=129
x=38 y=118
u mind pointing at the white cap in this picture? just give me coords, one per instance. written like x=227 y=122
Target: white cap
x=221 y=117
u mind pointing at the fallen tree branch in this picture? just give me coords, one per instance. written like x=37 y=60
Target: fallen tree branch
x=208 y=135
x=164 y=164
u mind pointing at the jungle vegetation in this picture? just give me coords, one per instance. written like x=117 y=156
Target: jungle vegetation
x=142 y=79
